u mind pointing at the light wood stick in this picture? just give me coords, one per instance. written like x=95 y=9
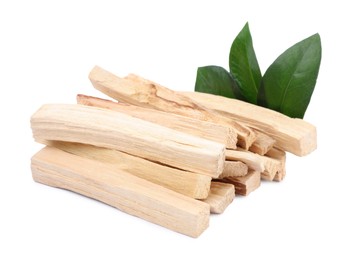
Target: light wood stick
x=204 y=129
x=291 y=135
x=234 y=169
x=280 y=156
x=193 y=185
x=252 y=160
x=151 y=95
x=221 y=195
x=262 y=144
x=121 y=190
x=272 y=167
x=266 y=165
x=246 y=136
x=110 y=129
x=245 y=184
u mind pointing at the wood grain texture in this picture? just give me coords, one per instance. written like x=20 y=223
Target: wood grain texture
x=139 y=92
x=272 y=167
x=244 y=185
x=292 y=135
x=262 y=144
x=246 y=136
x=191 y=184
x=252 y=160
x=204 y=129
x=110 y=129
x=281 y=157
x=274 y=164
x=234 y=169
x=124 y=191
x=267 y=165
x=221 y=195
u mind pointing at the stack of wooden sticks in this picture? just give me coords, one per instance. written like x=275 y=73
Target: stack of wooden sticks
x=169 y=157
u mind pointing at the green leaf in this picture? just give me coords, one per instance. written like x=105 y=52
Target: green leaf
x=288 y=83
x=214 y=80
x=244 y=66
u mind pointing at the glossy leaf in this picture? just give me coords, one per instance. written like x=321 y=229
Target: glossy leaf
x=288 y=83
x=244 y=66
x=214 y=80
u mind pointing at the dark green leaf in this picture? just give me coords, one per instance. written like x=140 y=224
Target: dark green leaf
x=288 y=83
x=214 y=80
x=244 y=66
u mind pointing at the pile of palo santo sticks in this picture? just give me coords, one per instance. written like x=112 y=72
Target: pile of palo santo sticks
x=168 y=157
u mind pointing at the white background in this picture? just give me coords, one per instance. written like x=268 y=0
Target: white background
x=47 y=49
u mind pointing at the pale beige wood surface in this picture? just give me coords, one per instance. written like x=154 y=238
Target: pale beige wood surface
x=252 y=160
x=152 y=95
x=111 y=129
x=280 y=156
x=279 y=176
x=262 y=144
x=246 y=135
x=273 y=164
x=292 y=135
x=234 y=169
x=122 y=190
x=191 y=184
x=244 y=185
x=204 y=129
x=221 y=195
x=268 y=166
x=272 y=167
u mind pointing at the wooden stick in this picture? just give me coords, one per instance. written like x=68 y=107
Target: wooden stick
x=280 y=156
x=193 y=185
x=263 y=143
x=151 y=95
x=272 y=167
x=221 y=195
x=204 y=129
x=245 y=184
x=110 y=129
x=266 y=165
x=291 y=135
x=122 y=190
x=252 y=160
x=234 y=169
x=246 y=136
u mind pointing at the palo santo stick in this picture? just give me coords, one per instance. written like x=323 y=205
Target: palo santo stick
x=204 y=129
x=266 y=165
x=221 y=195
x=262 y=144
x=245 y=184
x=272 y=167
x=291 y=135
x=234 y=169
x=246 y=136
x=280 y=156
x=110 y=129
x=252 y=160
x=150 y=95
x=121 y=190
x=193 y=185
